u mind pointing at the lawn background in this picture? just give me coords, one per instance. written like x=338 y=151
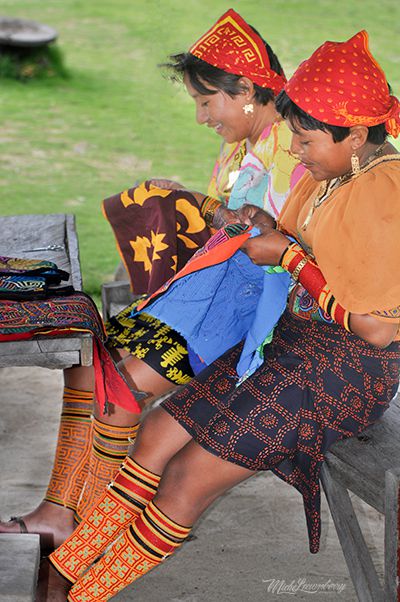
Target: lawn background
x=67 y=144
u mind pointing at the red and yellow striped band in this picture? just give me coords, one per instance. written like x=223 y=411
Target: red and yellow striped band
x=304 y=269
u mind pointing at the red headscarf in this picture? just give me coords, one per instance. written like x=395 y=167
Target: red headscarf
x=342 y=84
x=233 y=46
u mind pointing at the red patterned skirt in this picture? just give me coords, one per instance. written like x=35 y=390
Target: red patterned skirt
x=318 y=384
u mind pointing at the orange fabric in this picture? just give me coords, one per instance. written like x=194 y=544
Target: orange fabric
x=233 y=46
x=71 y=459
x=109 y=448
x=112 y=514
x=342 y=84
x=354 y=235
x=144 y=545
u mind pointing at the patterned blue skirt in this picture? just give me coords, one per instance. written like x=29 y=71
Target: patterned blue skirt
x=318 y=384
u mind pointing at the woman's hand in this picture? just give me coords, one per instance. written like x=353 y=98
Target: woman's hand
x=250 y=215
x=224 y=216
x=255 y=216
x=267 y=248
x=167 y=184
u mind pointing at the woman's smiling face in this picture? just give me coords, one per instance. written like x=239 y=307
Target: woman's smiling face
x=221 y=112
x=319 y=153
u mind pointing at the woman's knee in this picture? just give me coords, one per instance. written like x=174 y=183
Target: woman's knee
x=181 y=484
x=79 y=377
x=159 y=438
x=150 y=428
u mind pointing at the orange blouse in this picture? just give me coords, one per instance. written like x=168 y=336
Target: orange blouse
x=354 y=235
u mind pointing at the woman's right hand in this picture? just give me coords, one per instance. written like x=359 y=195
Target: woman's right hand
x=267 y=247
x=167 y=184
x=252 y=215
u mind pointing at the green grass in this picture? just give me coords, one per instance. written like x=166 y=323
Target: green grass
x=68 y=143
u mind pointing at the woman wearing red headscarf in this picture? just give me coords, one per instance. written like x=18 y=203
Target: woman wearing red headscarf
x=233 y=76
x=333 y=364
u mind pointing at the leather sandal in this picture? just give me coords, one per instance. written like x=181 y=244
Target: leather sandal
x=44 y=550
x=20 y=521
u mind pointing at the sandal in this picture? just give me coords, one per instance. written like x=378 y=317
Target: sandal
x=23 y=529
x=20 y=521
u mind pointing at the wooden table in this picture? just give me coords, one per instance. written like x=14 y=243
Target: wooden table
x=51 y=237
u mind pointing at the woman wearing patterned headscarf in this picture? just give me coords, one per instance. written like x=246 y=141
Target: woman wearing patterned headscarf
x=333 y=364
x=233 y=76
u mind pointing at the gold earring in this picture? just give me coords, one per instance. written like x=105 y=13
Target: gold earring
x=248 y=109
x=355 y=165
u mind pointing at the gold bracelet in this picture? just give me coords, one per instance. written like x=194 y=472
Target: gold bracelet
x=208 y=209
x=209 y=218
x=299 y=267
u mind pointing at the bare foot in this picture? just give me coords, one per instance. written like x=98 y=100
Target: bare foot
x=52 y=587
x=52 y=522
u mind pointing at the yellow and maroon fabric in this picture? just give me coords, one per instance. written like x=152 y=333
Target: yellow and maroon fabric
x=233 y=46
x=156 y=232
x=342 y=84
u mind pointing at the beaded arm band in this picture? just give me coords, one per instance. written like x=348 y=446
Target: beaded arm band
x=208 y=209
x=295 y=260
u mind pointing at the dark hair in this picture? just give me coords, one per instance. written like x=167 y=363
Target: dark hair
x=377 y=134
x=199 y=72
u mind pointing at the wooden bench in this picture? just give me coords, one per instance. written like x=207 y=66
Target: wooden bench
x=51 y=237
x=115 y=296
x=368 y=466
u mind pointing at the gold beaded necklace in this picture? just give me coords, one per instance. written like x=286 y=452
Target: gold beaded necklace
x=328 y=186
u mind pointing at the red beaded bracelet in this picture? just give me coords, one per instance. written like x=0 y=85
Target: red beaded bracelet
x=304 y=270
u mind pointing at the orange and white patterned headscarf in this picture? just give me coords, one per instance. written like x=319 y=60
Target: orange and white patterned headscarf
x=233 y=46
x=342 y=84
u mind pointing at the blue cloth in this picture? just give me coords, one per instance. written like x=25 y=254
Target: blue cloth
x=219 y=306
x=212 y=308
x=271 y=306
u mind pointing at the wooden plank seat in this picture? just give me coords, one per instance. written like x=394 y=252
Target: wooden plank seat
x=49 y=237
x=368 y=466
x=115 y=296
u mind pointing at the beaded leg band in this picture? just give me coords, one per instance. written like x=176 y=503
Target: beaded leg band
x=144 y=545
x=296 y=261
x=109 y=447
x=121 y=503
x=73 y=447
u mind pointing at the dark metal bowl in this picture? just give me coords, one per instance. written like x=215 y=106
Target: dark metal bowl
x=21 y=32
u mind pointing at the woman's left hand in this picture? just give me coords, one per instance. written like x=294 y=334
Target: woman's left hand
x=267 y=248
x=252 y=215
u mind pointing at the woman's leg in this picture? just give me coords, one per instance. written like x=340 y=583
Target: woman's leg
x=85 y=454
x=190 y=482
x=131 y=490
x=115 y=431
x=53 y=519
